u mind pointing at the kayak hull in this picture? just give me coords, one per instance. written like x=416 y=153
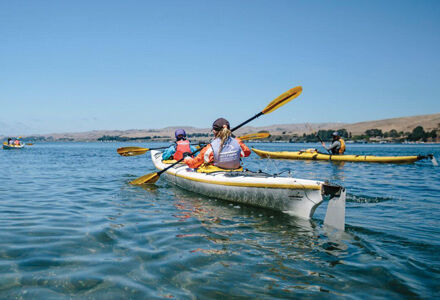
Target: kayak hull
x=301 y=155
x=299 y=197
x=11 y=147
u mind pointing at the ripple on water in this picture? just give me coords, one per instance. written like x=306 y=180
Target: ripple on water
x=72 y=227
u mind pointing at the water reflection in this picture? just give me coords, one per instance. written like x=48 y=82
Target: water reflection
x=228 y=223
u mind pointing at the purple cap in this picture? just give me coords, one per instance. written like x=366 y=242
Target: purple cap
x=180 y=132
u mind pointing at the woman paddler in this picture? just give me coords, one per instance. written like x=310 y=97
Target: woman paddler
x=224 y=151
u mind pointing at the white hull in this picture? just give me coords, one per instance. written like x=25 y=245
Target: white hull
x=299 y=197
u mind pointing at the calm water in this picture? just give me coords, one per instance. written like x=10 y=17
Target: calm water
x=71 y=227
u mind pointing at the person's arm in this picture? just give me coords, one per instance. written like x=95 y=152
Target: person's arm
x=169 y=152
x=206 y=155
x=245 y=151
x=334 y=145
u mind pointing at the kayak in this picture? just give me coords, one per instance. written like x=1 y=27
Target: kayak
x=8 y=147
x=298 y=197
x=310 y=154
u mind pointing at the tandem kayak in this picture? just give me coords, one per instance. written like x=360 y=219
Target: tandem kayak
x=298 y=197
x=8 y=147
x=314 y=155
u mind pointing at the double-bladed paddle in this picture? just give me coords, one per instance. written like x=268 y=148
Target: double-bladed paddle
x=322 y=142
x=272 y=106
x=132 y=151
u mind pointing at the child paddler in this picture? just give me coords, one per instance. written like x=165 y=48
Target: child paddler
x=181 y=146
x=225 y=151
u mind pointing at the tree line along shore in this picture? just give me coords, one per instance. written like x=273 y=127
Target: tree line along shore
x=374 y=135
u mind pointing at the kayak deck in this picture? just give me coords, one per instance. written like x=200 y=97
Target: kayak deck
x=305 y=155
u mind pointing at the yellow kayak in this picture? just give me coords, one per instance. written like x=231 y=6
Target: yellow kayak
x=313 y=154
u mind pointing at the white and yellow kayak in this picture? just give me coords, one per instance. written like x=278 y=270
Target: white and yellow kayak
x=8 y=147
x=312 y=154
x=299 y=197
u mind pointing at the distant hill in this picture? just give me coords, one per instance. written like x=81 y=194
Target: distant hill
x=404 y=124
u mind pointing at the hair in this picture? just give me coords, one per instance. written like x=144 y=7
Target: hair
x=224 y=134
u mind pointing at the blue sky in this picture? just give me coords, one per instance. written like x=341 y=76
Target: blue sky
x=68 y=66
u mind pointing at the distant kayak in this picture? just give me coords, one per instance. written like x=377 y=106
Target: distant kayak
x=9 y=147
x=312 y=154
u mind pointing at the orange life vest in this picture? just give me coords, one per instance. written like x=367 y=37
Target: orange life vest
x=182 y=146
x=342 y=149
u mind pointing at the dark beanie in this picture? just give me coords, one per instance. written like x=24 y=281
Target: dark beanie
x=218 y=124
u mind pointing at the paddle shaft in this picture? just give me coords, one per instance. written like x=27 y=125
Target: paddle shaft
x=322 y=143
x=319 y=138
x=245 y=122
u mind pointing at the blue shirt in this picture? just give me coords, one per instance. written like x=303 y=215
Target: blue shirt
x=169 y=152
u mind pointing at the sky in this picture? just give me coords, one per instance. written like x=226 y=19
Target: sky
x=73 y=66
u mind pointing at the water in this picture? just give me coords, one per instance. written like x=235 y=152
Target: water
x=71 y=227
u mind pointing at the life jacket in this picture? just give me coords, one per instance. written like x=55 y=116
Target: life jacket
x=342 y=149
x=229 y=156
x=182 y=146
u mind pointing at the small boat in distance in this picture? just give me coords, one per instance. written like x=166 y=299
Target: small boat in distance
x=13 y=144
x=8 y=147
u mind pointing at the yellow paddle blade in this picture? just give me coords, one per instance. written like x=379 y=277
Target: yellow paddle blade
x=282 y=99
x=254 y=136
x=146 y=179
x=131 y=151
x=29 y=144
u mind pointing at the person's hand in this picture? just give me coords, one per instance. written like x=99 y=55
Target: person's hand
x=322 y=143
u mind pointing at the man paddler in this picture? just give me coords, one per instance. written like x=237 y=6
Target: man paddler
x=338 y=144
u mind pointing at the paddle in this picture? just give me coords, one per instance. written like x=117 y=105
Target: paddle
x=322 y=142
x=133 y=151
x=275 y=104
x=254 y=136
